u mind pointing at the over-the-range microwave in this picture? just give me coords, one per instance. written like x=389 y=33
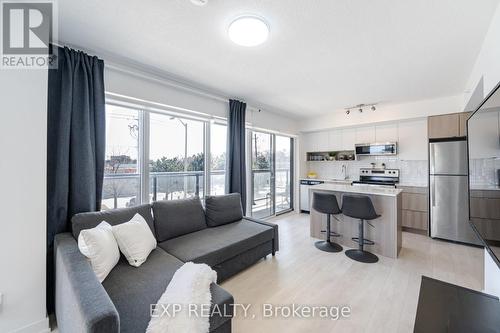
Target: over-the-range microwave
x=387 y=148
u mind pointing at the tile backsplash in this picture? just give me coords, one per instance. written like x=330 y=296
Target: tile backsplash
x=483 y=171
x=411 y=172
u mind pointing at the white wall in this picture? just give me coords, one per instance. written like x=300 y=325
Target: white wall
x=23 y=106
x=487 y=64
x=159 y=90
x=384 y=113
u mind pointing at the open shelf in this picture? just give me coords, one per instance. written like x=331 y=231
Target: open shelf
x=322 y=156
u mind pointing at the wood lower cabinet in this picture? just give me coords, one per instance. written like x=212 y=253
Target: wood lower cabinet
x=415 y=201
x=486 y=208
x=415 y=208
x=485 y=204
x=415 y=220
x=485 y=211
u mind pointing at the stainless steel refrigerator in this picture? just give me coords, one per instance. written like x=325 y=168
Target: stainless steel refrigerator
x=449 y=191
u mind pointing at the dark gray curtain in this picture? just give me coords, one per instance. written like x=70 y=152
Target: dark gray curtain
x=236 y=167
x=75 y=144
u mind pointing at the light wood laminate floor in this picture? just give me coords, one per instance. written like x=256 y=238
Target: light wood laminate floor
x=383 y=296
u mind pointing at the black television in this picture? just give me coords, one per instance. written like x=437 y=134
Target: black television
x=483 y=133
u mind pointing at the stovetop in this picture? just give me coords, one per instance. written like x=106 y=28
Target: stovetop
x=379 y=177
x=374 y=183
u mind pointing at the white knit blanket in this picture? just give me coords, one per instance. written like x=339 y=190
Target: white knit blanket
x=181 y=307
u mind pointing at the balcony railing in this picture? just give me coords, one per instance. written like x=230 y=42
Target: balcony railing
x=123 y=190
x=261 y=180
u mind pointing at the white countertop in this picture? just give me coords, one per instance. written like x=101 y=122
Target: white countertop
x=485 y=187
x=349 y=181
x=411 y=184
x=329 y=180
x=373 y=190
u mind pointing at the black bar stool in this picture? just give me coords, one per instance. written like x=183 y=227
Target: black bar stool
x=360 y=207
x=326 y=203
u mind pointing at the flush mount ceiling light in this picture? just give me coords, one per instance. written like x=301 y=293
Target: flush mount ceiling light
x=248 y=31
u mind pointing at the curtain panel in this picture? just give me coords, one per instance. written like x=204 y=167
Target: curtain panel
x=236 y=161
x=75 y=144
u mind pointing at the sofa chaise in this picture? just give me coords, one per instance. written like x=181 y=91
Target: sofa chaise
x=217 y=235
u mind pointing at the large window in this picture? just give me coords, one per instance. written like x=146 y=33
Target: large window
x=218 y=140
x=177 y=158
x=155 y=156
x=121 y=187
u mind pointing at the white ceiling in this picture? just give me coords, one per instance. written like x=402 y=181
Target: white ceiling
x=321 y=55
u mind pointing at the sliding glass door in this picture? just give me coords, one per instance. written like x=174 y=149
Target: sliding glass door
x=271 y=174
x=284 y=170
x=262 y=175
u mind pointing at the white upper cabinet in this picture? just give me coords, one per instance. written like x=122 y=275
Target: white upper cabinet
x=348 y=139
x=319 y=141
x=365 y=134
x=484 y=135
x=335 y=140
x=306 y=143
x=412 y=140
x=386 y=133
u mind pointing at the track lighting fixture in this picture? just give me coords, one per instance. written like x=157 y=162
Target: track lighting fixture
x=360 y=108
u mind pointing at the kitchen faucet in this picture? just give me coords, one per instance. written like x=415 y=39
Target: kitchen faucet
x=344 y=171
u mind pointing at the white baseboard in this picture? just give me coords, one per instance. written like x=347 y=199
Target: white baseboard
x=41 y=326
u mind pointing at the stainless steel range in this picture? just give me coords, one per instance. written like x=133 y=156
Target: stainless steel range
x=377 y=177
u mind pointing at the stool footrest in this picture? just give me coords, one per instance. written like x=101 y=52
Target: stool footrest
x=332 y=233
x=365 y=241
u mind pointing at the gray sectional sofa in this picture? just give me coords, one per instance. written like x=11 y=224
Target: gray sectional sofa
x=218 y=235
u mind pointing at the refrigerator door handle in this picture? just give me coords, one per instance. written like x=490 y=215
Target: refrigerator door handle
x=432 y=157
x=433 y=193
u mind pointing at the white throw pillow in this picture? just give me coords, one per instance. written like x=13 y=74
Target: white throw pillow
x=99 y=246
x=135 y=239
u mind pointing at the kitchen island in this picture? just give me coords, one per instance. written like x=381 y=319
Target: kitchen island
x=386 y=230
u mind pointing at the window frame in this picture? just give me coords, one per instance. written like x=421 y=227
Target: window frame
x=144 y=115
x=249 y=166
x=145 y=109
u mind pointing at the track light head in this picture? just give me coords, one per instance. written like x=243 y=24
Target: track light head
x=360 y=110
x=348 y=111
x=373 y=108
x=199 y=2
